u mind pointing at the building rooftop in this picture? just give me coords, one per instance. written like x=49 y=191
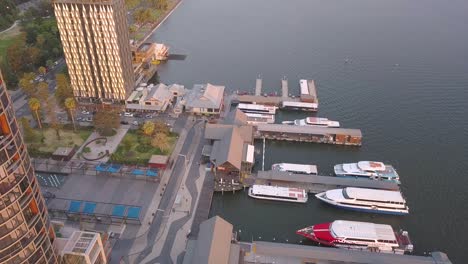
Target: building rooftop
x=268 y=252
x=62 y=151
x=205 y=96
x=213 y=243
x=158 y=159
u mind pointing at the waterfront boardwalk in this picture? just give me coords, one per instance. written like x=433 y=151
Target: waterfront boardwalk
x=316 y=184
x=338 y=136
x=204 y=204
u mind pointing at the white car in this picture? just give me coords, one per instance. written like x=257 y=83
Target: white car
x=135 y=123
x=85 y=112
x=128 y=114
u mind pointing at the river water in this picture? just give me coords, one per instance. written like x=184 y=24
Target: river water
x=405 y=85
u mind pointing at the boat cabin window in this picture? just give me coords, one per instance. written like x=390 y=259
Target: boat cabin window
x=345 y=194
x=387 y=241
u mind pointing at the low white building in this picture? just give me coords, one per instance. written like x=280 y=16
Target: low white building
x=84 y=248
x=154 y=98
x=206 y=99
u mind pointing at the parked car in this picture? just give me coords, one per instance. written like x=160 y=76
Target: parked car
x=149 y=116
x=89 y=119
x=128 y=114
x=135 y=123
x=123 y=122
x=85 y=112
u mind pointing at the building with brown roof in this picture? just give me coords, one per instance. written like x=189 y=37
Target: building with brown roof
x=213 y=245
x=232 y=150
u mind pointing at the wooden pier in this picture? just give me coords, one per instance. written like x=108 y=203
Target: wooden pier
x=317 y=184
x=258 y=87
x=285 y=89
x=326 y=135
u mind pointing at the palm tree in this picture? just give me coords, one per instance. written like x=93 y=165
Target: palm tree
x=70 y=104
x=35 y=105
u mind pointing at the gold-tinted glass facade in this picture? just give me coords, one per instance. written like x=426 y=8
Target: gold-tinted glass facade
x=26 y=235
x=96 y=44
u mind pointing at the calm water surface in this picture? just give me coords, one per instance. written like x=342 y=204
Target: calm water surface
x=405 y=86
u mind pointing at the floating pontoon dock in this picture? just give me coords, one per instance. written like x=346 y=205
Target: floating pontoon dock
x=316 y=184
x=339 y=136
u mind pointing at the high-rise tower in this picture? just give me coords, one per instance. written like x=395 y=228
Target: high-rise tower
x=26 y=235
x=96 y=44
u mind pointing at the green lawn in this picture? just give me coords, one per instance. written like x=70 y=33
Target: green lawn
x=140 y=151
x=5 y=41
x=47 y=141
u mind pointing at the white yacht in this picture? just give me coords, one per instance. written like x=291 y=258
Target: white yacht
x=366 y=200
x=367 y=169
x=313 y=121
x=295 y=168
x=276 y=193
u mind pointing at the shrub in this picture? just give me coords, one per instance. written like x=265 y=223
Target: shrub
x=86 y=150
x=143 y=148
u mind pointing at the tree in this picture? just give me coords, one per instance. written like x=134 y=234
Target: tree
x=127 y=143
x=159 y=4
x=29 y=134
x=130 y=4
x=64 y=89
x=42 y=70
x=148 y=128
x=51 y=112
x=70 y=104
x=42 y=92
x=26 y=84
x=106 y=120
x=35 y=105
x=132 y=29
x=142 y=16
x=161 y=141
x=161 y=127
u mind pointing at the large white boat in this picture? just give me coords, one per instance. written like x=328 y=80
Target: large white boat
x=257 y=109
x=367 y=169
x=366 y=200
x=277 y=193
x=260 y=118
x=359 y=236
x=295 y=168
x=316 y=121
x=303 y=106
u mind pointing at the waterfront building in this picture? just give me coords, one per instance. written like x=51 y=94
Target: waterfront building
x=26 y=235
x=96 y=45
x=82 y=247
x=213 y=245
x=205 y=99
x=154 y=98
x=233 y=151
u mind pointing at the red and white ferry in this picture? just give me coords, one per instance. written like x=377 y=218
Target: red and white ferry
x=277 y=193
x=359 y=235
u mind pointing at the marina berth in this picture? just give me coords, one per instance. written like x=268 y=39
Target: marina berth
x=295 y=168
x=257 y=109
x=275 y=193
x=366 y=200
x=359 y=236
x=367 y=169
